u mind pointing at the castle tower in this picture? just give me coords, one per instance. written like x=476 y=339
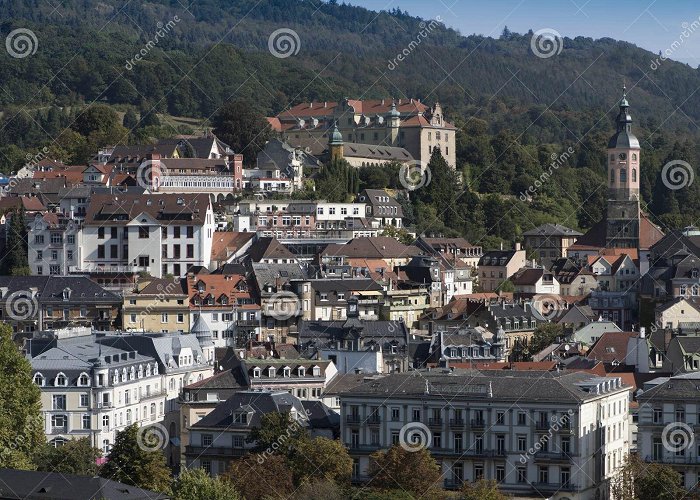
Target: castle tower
x=394 y=123
x=335 y=143
x=623 y=213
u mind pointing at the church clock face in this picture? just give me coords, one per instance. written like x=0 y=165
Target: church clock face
x=622 y=156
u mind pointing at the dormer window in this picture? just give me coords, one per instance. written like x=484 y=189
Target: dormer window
x=694 y=273
x=39 y=380
x=66 y=293
x=84 y=380
x=316 y=371
x=61 y=380
x=301 y=371
x=224 y=300
x=256 y=372
x=271 y=372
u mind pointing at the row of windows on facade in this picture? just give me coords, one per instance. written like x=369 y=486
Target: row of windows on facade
x=114 y=252
x=544 y=418
x=55 y=239
x=286 y=371
x=144 y=232
x=59 y=421
x=83 y=380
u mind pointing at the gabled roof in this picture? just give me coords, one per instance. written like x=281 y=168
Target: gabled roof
x=226 y=243
x=611 y=347
x=380 y=247
x=268 y=248
x=552 y=230
x=120 y=209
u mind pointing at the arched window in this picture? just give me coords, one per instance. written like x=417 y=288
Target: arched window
x=39 y=379
x=634 y=156
x=84 y=380
x=612 y=176
x=623 y=175
x=61 y=380
x=612 y=157
x=634 y=175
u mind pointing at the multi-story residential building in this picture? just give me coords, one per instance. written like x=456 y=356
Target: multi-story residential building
x=675 y=313
x=54 y=244
x=574 y=279
x=402 y=123
x=619 y=307
x=355 y=344
x=222 y=435
x=451 y=249
x=497 y=266
x=94 y=385
x=157 y=305
x=227 y=304
x=31 y=303
x=615 y=273
x=329 y=299
x=220 y=177
x=530 y=281
x=549 y=242
x=160 y=234
x=560 y=435
x=381 y=205
x=669 y=414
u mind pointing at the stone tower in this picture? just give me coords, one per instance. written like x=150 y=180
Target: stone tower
x=623 y=213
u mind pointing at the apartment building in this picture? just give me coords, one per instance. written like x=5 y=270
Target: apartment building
x=54 y=244
x=538 y=434
x=669 y=409
x=96 y=384
x=159 y=234
x=157 y=305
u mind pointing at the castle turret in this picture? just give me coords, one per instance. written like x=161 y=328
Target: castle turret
x=335 y=143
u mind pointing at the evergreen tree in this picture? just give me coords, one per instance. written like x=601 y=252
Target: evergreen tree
x=241 y=126
x=130 y=121
x=15 y=262
x=21 y=420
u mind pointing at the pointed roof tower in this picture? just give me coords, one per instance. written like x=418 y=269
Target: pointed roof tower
x=624 y=138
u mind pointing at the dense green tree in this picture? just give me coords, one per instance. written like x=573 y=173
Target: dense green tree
x=277 y=433
x=21 y=420
x=642 y=481
x=482 y=490
x=416 y=472
x=130 y=462
x=240 y=125
x=196 y=484
x=77 y=456
x=256 y=476
x=545 y=335
x=130 y=120
x=321 y=458
x=97 y=118
x=15 y=261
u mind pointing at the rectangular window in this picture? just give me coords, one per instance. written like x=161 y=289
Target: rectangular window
x=395 y=412
x=190 y=251
x=100 y=233
x=70 y=239
x=176 y=231
x=86 y=421
x=143 y=232
x=113 y=251
x=59 y=402
x=113 y=232
x=190 y=231
x=176 y=251
x=100 y=251
x=207 y=439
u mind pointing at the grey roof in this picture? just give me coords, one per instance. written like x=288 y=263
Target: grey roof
x=274 y=274
x=531 y=386
x=201 y=330
x=257 y=401
x=50 y=289
x=163 y=347
x=348 y=285
x=356 y=150
x=343 y=382
x=324 y=334
x=30 y=485
x=496 y=258
x=684 y=387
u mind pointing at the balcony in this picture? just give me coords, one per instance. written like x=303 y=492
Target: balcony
x=374 y=420
x=91 y=269
x=552 y=456
x=353 y=419
x=364 y=448
x=478 y=423
x=554 y=487
x=674 y=459
x=543 y=425
x=457 y=423
x=435 y=422
x=218 y=451
x=153 y=394
x=61 y=429
x=102 y=405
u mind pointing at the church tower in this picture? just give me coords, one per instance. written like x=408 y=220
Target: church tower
x=623 y=213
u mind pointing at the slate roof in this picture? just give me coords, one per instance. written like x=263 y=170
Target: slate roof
x=496 y=258
x=34 y=485
x=261 y=403
x=343 y=382
x=594 y=238
x=510 y=385
x=389 y=153
x=268 y=248
x=323 y=334
x=50 y=289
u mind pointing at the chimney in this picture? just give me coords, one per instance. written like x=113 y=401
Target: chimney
x=311 y=105
x=517 y=246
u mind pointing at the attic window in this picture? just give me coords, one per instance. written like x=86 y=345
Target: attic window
x=609 y=349
x=256 y=372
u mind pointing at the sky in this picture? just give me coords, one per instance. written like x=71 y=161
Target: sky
x=651 y=24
